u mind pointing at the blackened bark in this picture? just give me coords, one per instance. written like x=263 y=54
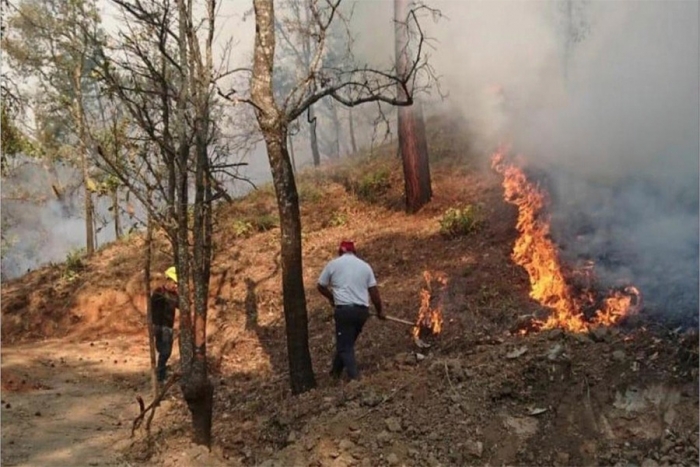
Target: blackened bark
x=414 y=154
x=316 y=155
x=412 y=140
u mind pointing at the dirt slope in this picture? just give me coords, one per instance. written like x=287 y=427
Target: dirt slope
x=480 y=396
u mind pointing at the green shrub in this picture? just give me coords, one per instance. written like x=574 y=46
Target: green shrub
x=242 y=228
x=309 y=193
x=74 y=264
x=264 y=222
x=457 y=222
x=373 y=185
x=338 y=219
x=259 y=223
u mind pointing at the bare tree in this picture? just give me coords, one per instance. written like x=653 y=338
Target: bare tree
x=348 y=84
x=162 y=72
x=413 y=144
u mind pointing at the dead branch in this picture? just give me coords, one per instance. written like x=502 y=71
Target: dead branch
x=153 y=405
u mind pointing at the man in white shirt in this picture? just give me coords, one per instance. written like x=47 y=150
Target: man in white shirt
x=349 y=283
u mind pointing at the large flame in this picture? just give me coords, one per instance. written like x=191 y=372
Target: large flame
x=430 y=317
x=535 y=251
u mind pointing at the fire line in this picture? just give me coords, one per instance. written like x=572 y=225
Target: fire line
x=535 y=251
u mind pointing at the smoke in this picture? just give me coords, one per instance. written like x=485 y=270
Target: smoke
x=37 y=227
x=604 y=99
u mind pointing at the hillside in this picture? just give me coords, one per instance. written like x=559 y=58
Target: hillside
x=482 y=395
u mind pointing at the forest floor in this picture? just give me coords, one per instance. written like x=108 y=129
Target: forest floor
x=75 y=351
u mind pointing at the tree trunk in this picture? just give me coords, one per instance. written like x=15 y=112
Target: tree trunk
x=149 y=320
x=414 y=153
x=412 y=140
x=313 y=137
x=336 y=130
x=295 y=314
x=274 y=129
x=116 y=215
x=291 y=154
x=352 y=132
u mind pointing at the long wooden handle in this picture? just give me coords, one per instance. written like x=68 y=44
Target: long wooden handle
x=399 y=320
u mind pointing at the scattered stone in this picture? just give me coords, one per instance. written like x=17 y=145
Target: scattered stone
x=555 y=352
x=384 y=437
x=619 y=356
x=413 y=453
x=432 y=461
x=292 y=437
x=474 y=448
x=420 y=357
x=309 y=444
x=599 y=333
x=392 y=459
x=581 y=337
x=393 y=424
x=346 y=445
x=555 y=334
x=649 y=463
x=334 y=453
x=516 y=353
x=366 y=462
x=562 y=458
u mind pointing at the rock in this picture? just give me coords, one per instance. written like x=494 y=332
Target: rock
x=292 y=437
x=366 y=462
x=619 y=356
x=581 y=337
x=649 y=463
x=334 y=453
x=432 y=461
x=515 y=353
x=384 y=437
x=554 y=352
x=393 y=424
x=562 y=458
x=555 y=334
x=346 y=445
x=309 y=444
x=474 y=448
x=599 y=333
x=371 y=399
x=392 y=459
x=413 y=453
x=420 y=357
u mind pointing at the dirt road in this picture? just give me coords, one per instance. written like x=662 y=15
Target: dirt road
x=69 y=403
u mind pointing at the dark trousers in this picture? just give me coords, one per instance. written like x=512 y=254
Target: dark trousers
x=349 y=320
x=164 y=347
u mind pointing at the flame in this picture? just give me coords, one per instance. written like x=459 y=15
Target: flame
x=535 y=251
x=430 y=317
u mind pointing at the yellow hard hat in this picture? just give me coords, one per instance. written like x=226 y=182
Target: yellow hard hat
x=171 y=273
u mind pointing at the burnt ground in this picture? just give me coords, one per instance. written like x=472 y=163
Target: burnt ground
x=480 y=396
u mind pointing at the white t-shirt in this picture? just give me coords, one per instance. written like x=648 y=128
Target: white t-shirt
x=349 y=278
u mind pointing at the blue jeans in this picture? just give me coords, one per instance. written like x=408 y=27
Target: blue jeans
x=164 y=347
x=349 y=321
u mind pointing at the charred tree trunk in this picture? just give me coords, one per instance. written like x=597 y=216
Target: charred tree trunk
x=412 y=140
x=274 y=129
x=313 y=137
x=353 y=143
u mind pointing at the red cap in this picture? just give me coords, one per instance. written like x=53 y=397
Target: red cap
x=346 y=246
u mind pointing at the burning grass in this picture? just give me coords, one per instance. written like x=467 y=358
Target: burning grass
x=574 y=309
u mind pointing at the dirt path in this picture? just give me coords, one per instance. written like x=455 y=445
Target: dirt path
x=69 y=403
